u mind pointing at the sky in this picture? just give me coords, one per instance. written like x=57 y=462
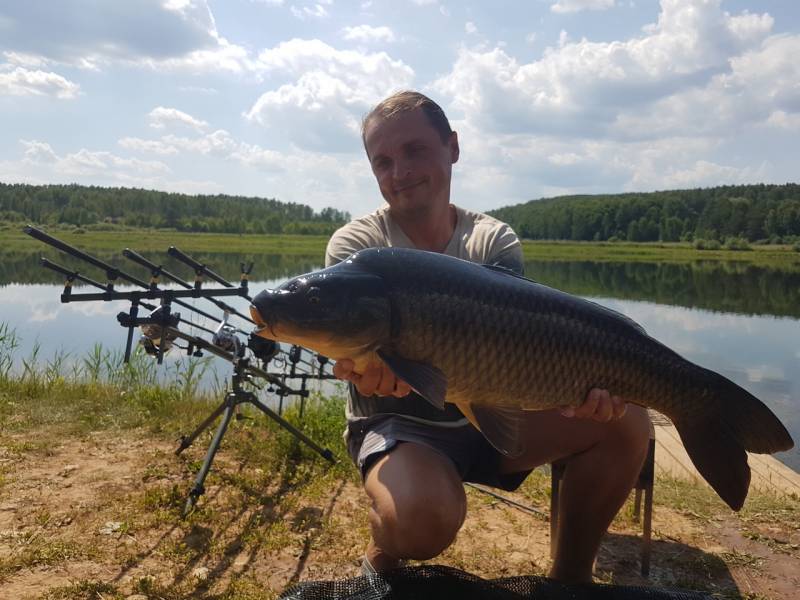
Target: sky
x=265 y=97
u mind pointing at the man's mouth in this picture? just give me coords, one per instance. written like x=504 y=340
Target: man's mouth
x=405 y=188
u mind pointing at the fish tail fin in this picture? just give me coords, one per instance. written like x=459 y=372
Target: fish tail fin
x=719 y=458
x=717 y=438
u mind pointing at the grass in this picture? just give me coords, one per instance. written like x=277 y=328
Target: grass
x=305 y=245
x=268 y=499
x=158 y=240
x=783 y=256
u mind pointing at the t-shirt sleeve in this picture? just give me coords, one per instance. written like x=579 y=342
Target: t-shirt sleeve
x=345 y=241
x=506 y=250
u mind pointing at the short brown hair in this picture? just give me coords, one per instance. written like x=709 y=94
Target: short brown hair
x=404 y=101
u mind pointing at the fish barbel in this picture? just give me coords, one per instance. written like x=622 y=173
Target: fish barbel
x=495 y=344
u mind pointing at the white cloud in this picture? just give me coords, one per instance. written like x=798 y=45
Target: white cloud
x=530 y=38
x=368 y=34
x=24 y=82
x=147 y=146
x=470 y=27
x=86 y=162
x=321 y=109
x=784 y=120
x=38 y=152
x=587 y=88
x=573 y=6
x=172 y=34
x=218 y=143
x=161 y=117
x=317 y=11
x=25 y=60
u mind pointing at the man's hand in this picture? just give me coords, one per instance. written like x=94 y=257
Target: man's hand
x=377 y=378
x=599 y=406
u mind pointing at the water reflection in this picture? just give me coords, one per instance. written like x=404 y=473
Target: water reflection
x=712 y=285
x=759 y=353
x=740 y=320
x=18 y=267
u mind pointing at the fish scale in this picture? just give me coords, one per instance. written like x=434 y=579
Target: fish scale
x=496 y=344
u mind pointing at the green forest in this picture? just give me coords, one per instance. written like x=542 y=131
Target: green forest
x=102 y=208
x=750 y=213
x=755 y=213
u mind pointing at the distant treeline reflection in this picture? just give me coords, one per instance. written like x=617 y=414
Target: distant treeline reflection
x=17 y=267
x=717 y=286
x=712 y=285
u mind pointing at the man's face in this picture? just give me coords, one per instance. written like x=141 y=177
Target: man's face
x=410 y=162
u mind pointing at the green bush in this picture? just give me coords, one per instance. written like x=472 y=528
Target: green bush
x=796 y=247
x=701 y=244
x=737 y=243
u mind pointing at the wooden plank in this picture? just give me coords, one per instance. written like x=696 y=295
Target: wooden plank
x=768 y=473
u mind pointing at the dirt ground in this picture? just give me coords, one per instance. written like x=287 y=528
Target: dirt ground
x=99 y=517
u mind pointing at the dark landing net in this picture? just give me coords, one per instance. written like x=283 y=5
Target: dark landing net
x=440 y=583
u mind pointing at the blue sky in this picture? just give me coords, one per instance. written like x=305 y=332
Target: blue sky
x=264 y=97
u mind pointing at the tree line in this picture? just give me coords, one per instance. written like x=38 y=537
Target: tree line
x=98 y=207
x=756 y=213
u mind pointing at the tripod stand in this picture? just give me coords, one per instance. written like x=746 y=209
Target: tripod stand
x=227 y=408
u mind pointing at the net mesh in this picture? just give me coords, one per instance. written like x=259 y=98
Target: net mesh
x=439 y=582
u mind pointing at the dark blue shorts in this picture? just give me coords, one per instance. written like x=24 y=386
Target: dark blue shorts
x=475 y=459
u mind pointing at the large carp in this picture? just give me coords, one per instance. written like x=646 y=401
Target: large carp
x=495 y=343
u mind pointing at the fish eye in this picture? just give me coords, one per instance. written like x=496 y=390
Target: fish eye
x=313 y=295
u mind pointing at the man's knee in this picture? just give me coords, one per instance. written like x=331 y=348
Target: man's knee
x=418 y=502
x=417 y=528
x=633 y=430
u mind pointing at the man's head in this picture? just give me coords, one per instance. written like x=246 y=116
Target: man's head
x=405 y=101
x=411 y=149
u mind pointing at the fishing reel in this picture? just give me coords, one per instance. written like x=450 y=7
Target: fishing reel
x=153 y=338
x=226 y=339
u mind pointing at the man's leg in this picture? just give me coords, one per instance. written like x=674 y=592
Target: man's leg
x=604 y=462
x=418 y=505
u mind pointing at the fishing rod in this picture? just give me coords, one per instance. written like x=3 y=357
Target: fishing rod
x=160 y=329
x=202 y=270
x=112 y=273
x=76 y=276
x=158 y=270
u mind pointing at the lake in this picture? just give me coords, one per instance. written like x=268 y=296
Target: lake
x=740 y=320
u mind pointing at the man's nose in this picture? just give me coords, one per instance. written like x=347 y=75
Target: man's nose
x=402 y=168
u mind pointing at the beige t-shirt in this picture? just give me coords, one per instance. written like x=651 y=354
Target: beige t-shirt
x=477 y=237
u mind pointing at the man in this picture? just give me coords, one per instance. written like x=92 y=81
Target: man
x=413 y=458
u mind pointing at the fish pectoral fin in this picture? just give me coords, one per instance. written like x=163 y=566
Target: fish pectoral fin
x=428 y=381
x=502 y=426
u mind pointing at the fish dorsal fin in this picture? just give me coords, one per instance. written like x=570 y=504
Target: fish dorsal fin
x=506 y=271
x=428 y=381
x=501 y=426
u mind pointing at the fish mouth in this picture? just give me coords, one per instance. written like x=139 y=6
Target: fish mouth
x=264 y=327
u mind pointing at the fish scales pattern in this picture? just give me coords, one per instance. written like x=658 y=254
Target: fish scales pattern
x=500 y=343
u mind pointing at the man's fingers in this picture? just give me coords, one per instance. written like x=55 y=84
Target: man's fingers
x=589 y=406
x=402 y=389
x=605 y=409
x=369 y=381
x=343 y=369
x=620 y=406
x=386 y=385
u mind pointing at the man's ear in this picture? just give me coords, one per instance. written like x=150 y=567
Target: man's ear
x=453 y=144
